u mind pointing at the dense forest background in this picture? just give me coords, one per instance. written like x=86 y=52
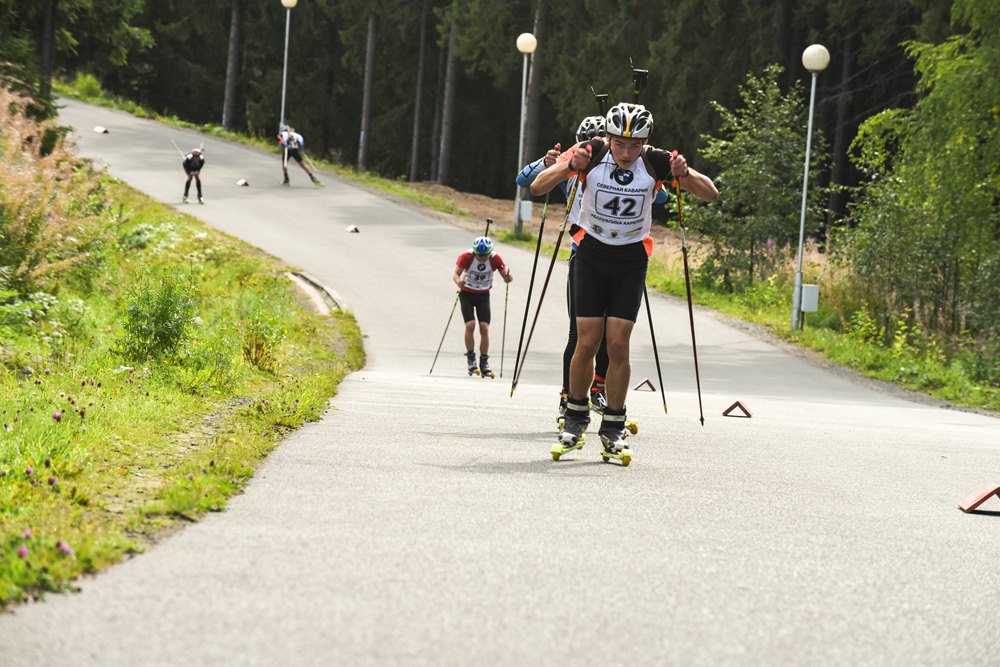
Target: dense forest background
x=173 y=56
x=906 y=175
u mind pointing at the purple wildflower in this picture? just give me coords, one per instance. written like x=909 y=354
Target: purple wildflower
x=22 y=551
x=65 y=548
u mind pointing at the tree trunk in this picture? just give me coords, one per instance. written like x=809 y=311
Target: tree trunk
x=418 y=97
x=234 y=66
x=444 y=164
x=366 y=102
x=436 y=124
x=838 y=171
x=48 y=50
x=534 y=86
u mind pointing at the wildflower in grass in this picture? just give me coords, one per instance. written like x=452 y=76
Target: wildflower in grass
x=29 y=471
x=65 y=548
x=52 y=481
x=57 y=416
x=22 y=552
x=48 y=372
x=27 y=533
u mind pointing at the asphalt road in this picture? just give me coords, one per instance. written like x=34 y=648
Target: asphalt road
x=422 y=522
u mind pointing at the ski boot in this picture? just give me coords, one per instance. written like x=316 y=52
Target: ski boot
x=598 y=397
x=574 y=430
x=285 y=182
x=484 y=367
x=184 y=200
x=470 y=357
x=599 y=401
x=613 y=433
x=315 y=181
x=201 y=200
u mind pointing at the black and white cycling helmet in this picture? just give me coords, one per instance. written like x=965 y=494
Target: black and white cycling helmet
x=590 y=127
x=632 y=121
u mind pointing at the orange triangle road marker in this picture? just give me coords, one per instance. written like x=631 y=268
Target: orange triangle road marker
x=979 y=496
x=738 y=404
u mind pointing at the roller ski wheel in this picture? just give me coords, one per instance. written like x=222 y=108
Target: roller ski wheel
x=633 y=427
x=488 y=374
x=624 y=456
x=561 y=447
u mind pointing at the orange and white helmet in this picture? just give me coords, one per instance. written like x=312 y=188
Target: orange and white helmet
x=632 y=121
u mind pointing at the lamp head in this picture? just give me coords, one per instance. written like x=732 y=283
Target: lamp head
x=289 y=4
x=816 y=58
x=526 y=43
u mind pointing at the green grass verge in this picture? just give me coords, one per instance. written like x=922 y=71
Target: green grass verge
x=100 y=453
x=915 y=366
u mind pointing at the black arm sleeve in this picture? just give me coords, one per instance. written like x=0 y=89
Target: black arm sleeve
x=660 y=161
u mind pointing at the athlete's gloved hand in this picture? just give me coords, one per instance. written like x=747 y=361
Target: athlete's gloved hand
x=552 y=155
x=579 y=157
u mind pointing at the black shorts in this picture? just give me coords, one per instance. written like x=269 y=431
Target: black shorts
x=609 y=280
x=478 y=302
x=295 y=155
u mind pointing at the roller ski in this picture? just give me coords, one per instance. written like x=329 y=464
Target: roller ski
x=201 y=200
x=574 y=430
x=484 y=367
x=613 y=433
x=184 y=200
x=316 y=181
x=470 y=358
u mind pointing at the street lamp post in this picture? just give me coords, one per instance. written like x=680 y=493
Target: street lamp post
x=815 y=58
x=288 y=5
x=526 y=44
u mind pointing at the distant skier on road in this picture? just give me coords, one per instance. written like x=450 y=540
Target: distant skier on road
x=291 y=144
x=474 y=277
x=193 y=162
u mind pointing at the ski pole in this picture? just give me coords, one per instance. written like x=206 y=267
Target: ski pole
x=531 y=283
x=687 y=285
x=445 y=332
x=656 y=354
x=541 y=296
x=489 y=221
x=503 y=337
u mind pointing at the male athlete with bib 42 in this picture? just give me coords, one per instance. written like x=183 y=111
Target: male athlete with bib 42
x=620 y=179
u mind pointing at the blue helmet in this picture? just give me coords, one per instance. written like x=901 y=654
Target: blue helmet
x=482 y=246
